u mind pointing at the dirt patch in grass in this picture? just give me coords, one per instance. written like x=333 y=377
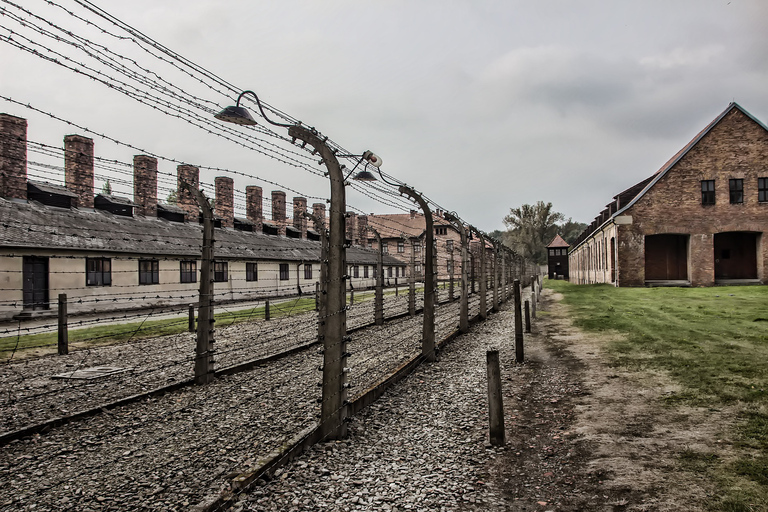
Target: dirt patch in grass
x=586 y=435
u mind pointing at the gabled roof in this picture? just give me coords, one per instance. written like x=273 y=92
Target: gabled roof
x=684 y=151
x=630 y=196
x=402 y=224
x=558 y=242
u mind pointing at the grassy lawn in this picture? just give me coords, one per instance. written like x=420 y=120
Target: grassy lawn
x=116 y=333
x=714 y=343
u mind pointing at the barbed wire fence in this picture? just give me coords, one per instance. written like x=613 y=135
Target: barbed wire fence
x=266 y=339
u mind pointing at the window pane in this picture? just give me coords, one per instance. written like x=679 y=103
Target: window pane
x=251 y=272
x=283 y=271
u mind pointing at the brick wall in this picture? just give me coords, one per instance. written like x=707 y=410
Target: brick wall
x=225 y=201
x=13 y=157
x=78 y=168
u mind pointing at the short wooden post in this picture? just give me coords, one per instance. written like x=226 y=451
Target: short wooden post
x=266 y=309
x=533 y=305
x=527 y=316
x=519 y=356
x=351 y=297
x=192 y=327
x=63 y=335
x=495 y=401
x=317 y=296
x=397 y=289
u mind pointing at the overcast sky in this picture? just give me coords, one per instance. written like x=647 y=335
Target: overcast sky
x=481 y=105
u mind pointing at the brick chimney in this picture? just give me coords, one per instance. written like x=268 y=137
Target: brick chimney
x=253 y=206
x=318 y=209
x=299 y=220
x=13 y=157
x=145 y=185
x=362 y=230
x=186 y=201
x=351 y=227
x=225 y=201
x=78 y=168
x=278 y=210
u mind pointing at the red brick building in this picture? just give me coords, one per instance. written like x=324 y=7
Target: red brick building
x=700 y=220
x=557 y=258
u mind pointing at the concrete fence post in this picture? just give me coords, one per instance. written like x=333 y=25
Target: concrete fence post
x=192 y=327
x=266 y=309
x=519 y=355
x=527 y=316
x=495 y=401
x=63 y=334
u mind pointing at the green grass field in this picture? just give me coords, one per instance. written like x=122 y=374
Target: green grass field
x=711 y=341
x=116 y=333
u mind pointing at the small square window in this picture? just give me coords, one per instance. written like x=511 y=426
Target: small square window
x=307 y=271
x=736 y=189
x=220 y=271
x=149 y=271
x=188 y=271
x=708 y=192
x=284 y=273
x=356 y=271
x=251 y=271
x=400 y=246
x=98 y=272
x=762 y=190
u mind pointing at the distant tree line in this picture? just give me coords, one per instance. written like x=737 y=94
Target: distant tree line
x=531 y=227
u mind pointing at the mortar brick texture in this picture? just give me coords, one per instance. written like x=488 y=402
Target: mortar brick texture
x=299 y=220
x=145 y=185
x=278 y=210
x=13 y=157
x=318 y=209
x=736 y=147
x=254 y=206
x=225 y=201
x=185 y=200
x=78 y=168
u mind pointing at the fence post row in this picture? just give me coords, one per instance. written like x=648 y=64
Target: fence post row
x=378 y=305
x=205 y=316
x=428 y=326
x=483 y=277
x=464 y=306
x=63 y=331
x=333 y=411
x=519 y=355
x=496 y=254
x=412 y=283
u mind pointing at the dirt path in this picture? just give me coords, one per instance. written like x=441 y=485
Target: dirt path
x=587 y=436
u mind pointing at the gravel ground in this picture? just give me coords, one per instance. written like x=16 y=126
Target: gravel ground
x=169 y=452
x=30 y=396
x=422 y=446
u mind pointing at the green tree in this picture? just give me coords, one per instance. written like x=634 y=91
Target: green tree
x=172 y=199
x=530 y=228
x=571 y=230
x=106 y=188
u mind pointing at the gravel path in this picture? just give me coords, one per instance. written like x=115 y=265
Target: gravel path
x=422 y=446
x=169 y=452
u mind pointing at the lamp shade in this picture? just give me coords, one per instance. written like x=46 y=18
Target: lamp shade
x=237 y=115
x=365 y=175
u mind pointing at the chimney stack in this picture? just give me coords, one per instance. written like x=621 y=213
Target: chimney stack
x=278 y=210
x=145 y=185
x=78 y=168
x=362 y=230
x=186 y=201
x=225 y=201
x=299 y=220
x=13 y=157
x=253 y=206
x=351 y=226
x=318 y=209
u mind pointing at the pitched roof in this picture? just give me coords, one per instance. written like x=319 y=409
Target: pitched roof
x=558 y=242
x=35 y=226
x=398 y=225
x=685 y=149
